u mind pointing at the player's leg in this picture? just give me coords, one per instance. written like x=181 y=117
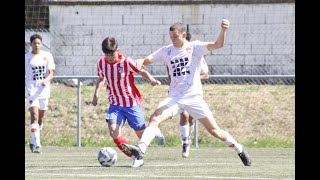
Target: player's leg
x=43 y=107
x=184 y=131
x=212 y=127
x=163 y=112
x=200 y=110
x=116 y=119
x=33 y=107
x=136 y=121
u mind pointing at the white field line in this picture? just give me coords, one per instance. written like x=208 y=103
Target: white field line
x=39 y=174
x=140 y=176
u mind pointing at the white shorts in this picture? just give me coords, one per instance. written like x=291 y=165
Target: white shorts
x=194 y=105
x=42 y=104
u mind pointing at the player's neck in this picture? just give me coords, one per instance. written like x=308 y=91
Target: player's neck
x=182 y=45
x=35 y=51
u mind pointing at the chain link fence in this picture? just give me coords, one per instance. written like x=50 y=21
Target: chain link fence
x=252 y=77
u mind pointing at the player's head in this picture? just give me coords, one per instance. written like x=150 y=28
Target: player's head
x=188 y=37
x=36 y=43
x=177 y=33
x=110 y=48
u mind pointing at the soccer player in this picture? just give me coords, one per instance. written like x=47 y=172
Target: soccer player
x=186 y=124
x=186 y=121
x=39 y=70
x=117 y=71
x=185 y=92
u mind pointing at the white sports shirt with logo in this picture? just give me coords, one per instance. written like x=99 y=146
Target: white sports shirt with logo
x=184 y=66
x=36 y=69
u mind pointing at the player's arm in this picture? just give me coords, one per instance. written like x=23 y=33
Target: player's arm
x=48 y=78
x=204 y=73
x=100 y=83
x=146 y=75
x=140 y=63
x=219 y=43
x=204 y=76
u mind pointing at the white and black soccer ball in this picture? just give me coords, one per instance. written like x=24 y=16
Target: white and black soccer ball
x=107 y=156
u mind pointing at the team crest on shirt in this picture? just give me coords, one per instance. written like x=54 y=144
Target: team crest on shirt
x=45 y=58
x=120 y=69
x=169 y=52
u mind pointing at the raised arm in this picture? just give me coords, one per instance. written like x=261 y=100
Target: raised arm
x=219 y=43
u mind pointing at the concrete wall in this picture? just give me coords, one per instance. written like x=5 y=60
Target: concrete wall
x=261 y=39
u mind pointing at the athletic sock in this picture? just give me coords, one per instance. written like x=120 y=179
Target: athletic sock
x=147 y=136
x=119 y=141
x=157 y=132
x=233 y=143
x=35 y=134
x=184 y=131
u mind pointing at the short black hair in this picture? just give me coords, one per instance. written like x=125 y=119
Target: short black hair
x=109 y=45
x=178 y=26
x=188 y=37
x=35 y=36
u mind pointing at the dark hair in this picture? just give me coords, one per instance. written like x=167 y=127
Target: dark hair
x=35 y=36
x=188 y=37
x=109 y=45
x=178 y=26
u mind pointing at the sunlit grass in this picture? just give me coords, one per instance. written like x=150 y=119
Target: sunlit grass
x=256 y=115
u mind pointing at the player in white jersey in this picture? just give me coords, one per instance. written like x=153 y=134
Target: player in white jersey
x=39 y=69
x=186 y=124
x=117 y=71
x=185 y=92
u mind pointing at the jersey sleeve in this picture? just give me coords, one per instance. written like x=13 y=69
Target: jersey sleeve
x=157 y=55
x=132 y=65
x=99 y=68
x=51 y=64
x=200 y=47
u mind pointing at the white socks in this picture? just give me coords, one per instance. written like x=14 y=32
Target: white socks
x=184 y=131
x=147 y=136
x=233 y=143
x=35 y=136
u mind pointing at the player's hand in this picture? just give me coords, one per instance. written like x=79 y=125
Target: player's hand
x=155 y=82
x=95 y=100
x=44 y=83
x=225 y=24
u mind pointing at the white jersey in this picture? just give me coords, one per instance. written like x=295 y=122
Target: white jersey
x=184 y=66
x=36 y=69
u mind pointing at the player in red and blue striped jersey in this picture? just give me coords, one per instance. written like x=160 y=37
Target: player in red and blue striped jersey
x=116 y=71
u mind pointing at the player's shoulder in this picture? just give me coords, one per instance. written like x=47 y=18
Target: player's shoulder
x=27 y=54
x=101 y=59
x=196 y=42
x=46 y=53
x=124 y=57
x=167 y=48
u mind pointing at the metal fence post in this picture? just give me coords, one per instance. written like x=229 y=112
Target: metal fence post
x=79 y=114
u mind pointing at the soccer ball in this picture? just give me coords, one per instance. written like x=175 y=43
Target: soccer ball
x=107 y=156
